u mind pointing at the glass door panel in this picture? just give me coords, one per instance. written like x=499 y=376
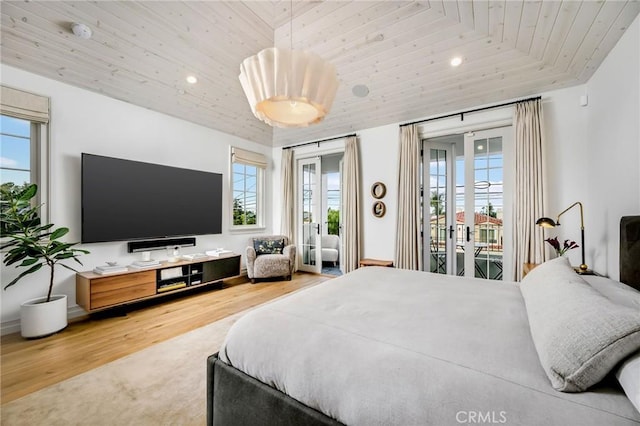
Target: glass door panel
x=484 y=253
x=439 y=252
x=464 y=183
x=438 y=210
x=309 y=215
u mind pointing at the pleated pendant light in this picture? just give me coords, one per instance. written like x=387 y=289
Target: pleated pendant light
x=288 y=88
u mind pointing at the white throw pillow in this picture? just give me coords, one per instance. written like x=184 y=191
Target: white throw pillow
x=628 y=376
x=579 y=334
x=616 y=291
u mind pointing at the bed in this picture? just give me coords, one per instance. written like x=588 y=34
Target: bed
x=383 y=346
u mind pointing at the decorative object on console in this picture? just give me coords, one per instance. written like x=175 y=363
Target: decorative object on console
x=546 y=222
x=110 y=268
x=32 y=245
x=142 y=264
x=288 y=88
x=174 y=254
x=218 y=252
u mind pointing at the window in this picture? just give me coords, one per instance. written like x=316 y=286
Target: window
x=23 y=135
x=247 y=186
x=18 y=140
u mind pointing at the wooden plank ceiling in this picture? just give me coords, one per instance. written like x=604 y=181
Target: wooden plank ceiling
x=141 y=52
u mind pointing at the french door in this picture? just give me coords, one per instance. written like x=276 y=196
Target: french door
x=309 y=215
x=465 y=209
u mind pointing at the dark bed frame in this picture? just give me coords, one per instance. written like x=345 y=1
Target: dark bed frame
x=234 y=398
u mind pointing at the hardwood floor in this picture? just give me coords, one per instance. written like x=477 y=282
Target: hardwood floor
x=30 y=365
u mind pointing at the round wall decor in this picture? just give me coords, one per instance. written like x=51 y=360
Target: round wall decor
x=379 y=209
x=378 y=190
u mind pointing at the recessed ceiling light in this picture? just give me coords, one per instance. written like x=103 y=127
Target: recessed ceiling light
x=456 y=61
x=360 y=90
x=191 y=79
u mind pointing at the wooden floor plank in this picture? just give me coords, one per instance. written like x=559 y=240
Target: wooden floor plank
x=30 y=365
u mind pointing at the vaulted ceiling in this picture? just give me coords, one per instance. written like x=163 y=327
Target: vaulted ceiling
x=142 y=51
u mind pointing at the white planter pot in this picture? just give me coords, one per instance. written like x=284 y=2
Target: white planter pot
x=39 y=318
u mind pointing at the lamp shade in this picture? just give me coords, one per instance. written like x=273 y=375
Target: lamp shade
x=288 y=88
x=546 y=222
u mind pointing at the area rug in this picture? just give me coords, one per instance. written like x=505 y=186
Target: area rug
x=164 y=384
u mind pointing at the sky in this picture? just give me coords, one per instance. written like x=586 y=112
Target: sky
x=14 y=149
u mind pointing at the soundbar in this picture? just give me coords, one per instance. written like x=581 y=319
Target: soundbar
x=148 y=245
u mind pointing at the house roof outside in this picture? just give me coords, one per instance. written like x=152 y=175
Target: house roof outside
x=478 y=219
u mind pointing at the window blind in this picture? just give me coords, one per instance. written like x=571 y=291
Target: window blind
x=24 y=105
x=248 y=157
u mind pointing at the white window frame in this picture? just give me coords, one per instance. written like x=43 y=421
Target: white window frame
x=35 y=108
x=479 y=121
x=259 y=161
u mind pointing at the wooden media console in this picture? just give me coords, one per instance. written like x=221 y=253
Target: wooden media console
x=95 y=292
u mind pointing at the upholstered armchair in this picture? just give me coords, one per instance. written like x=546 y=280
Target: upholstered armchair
x=330 y=249
x=270 y=256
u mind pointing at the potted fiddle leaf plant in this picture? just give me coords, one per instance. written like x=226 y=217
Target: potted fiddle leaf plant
x=27 y=243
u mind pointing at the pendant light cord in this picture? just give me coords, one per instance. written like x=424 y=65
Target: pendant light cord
x=291 y=102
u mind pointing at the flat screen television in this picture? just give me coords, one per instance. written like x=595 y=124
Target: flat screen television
x=129 y=200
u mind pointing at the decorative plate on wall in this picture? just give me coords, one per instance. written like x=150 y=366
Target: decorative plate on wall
x=378 y=190
x=379 y=209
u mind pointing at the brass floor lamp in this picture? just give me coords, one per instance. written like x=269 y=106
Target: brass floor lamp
x=546 y=222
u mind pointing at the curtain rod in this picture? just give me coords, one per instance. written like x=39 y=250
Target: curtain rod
x=318 y=142
x=462 y=113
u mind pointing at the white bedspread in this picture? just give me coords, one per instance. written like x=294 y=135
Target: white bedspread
x=383 y=346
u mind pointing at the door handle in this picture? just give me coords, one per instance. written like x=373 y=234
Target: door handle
x=450 y=231
x=468 y=234
x=317 y=225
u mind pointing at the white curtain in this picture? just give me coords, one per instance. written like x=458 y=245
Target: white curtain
x=350 y=202
x=528 y=239
x=287 y=221
x=408 y=241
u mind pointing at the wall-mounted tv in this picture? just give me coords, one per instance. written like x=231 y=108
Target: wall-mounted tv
x=127 y=200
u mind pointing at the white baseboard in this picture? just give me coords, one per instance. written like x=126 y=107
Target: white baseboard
x=13 y=326
x=9 y=327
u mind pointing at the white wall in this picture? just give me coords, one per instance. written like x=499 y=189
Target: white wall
x=565 y=154
x=83 y=121
x=379 y=163
x=613 y=150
